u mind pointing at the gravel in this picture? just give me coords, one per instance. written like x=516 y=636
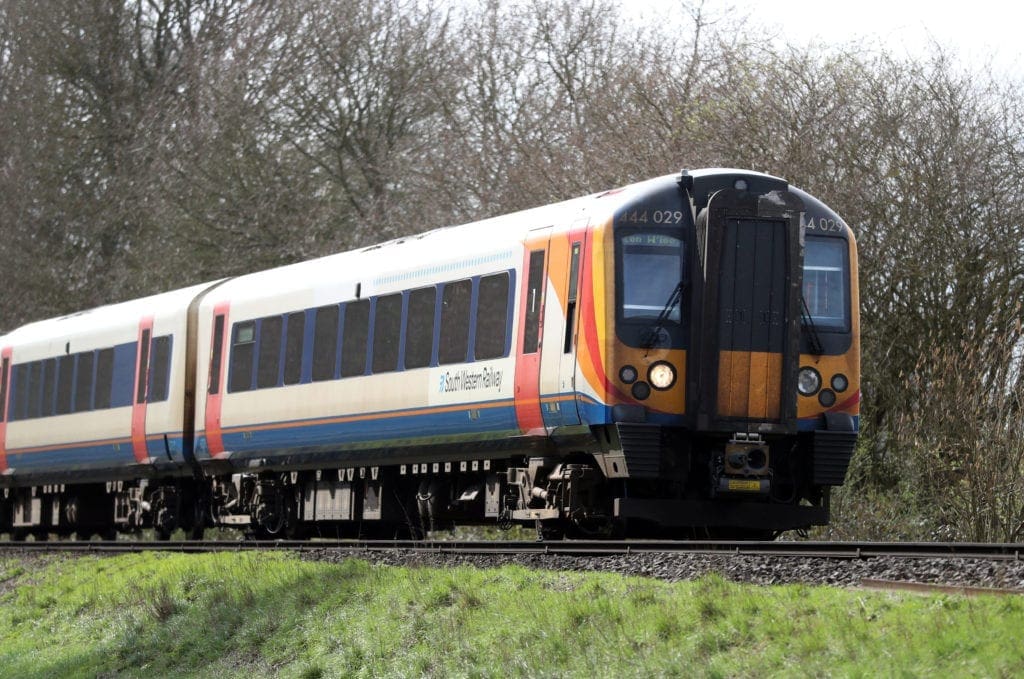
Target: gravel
x=754 y=569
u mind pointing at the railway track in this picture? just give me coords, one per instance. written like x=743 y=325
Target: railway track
x=806 y=549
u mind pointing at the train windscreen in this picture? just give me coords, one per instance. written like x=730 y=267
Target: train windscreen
x=825 y=287
x=652 y=268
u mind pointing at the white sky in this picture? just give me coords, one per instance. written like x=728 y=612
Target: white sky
x=980 y=31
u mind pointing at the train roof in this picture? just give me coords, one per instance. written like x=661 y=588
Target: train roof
x=446 y=247
x=110 y=316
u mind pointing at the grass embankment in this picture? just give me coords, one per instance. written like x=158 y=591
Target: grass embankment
x=255 y=614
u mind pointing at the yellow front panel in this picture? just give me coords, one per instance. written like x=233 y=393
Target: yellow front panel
x=749 y=384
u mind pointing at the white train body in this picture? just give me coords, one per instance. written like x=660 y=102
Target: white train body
x=593 y=361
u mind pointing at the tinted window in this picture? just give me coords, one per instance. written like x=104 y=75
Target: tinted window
x=454 y=339
x=491 y=317
x=215 y=353
x=387 y=328
x=419 y=328
x=124 y=375
x=143 y=368
x=19 y=399
x=65 y=383
x=159 y=369
x=325 y=342
x=104 y=378
x=3 y=387
x=242 y=353
x=353 y=347
x=570 y=307
x=83 y=382
x=267 y=367
x=533 y=301
x=35 y=389
x=293 y=347
x=49 y=388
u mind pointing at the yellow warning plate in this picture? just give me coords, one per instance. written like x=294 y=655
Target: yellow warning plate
x=744 y=485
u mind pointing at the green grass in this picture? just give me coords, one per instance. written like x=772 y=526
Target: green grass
x=246 y=614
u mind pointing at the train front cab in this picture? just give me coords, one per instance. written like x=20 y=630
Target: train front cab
x=721 y=323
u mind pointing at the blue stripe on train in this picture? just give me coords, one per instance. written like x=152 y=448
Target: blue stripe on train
x=89 y=456
x=488 y=422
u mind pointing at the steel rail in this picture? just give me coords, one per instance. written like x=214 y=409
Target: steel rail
x=806 y=549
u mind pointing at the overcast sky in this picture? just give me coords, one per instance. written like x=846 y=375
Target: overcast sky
x=980 y=31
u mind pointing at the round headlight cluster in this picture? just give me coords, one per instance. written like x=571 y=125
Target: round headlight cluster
x=661 y=375
x=808 y=381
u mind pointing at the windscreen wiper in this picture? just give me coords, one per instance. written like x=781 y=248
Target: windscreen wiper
x=659 y=323
x=807 y=321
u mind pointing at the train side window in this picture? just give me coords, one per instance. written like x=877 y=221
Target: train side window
x=35 y=389
x=268 y=366
x=419 y=328
x=387 y=329
x=325 y=342
x=142 y=376
x=4 y=367
x=159 y=369
x=83 y=382
x=47 y=408
x=19 y=397
x=491 y=317
x=353 y=345
x=454 y=336
x=124 y=374
x=104 y=378
x=243 y=347
x=65 y=383
x=216 y=351
x=534 y=301
x=570 y=307
x=296 y=333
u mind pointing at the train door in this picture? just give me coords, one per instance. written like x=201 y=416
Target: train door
x=751 y=322
x=139 y=400
x=5 y=378
x=558 y=355
x=531 y=331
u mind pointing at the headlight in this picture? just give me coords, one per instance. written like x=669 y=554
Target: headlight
x=641 y=390
x=628 y=374
x=839 y=382
x=808 y=382
x=661 y=375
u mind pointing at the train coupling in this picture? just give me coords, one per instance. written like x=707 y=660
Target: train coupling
x=743 y=466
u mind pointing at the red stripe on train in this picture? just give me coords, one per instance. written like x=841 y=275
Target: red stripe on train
x=214 y=398
x=141 y=389
x=5 y=357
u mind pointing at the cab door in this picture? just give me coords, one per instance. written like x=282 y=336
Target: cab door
x=558 y=357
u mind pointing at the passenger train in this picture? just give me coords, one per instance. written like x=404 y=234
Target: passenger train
x=677 y=357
